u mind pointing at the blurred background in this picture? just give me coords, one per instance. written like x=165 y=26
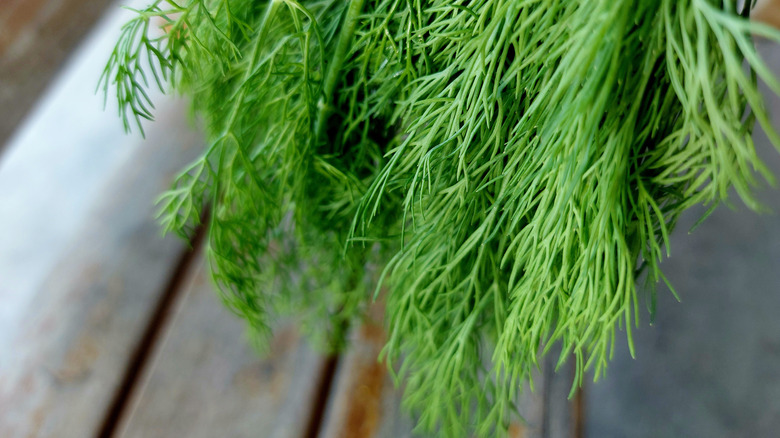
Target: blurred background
x=109 y=329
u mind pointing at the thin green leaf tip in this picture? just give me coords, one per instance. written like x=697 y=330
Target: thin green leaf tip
x=509 y=166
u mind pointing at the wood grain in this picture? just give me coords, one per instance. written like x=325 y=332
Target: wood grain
x=67 y=358
x=207 y=382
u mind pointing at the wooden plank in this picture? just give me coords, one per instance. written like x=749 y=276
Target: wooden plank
x=364 y=402
x=62 y=368
x=36 y=37
x=207 y=381
x=710 y=365
x=54 y=169
x=81 y=259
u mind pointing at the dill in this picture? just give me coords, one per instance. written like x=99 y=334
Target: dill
x=513 y=166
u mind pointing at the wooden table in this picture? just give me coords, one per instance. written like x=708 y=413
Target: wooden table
x=109 y=329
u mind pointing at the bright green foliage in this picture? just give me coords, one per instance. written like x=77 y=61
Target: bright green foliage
x=513 y=166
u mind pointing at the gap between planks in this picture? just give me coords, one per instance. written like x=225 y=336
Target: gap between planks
x=203 y=379
x=152 y=334
x=320 y=402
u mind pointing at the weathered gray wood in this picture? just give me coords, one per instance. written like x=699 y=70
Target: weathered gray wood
x=81 y=260
x=68 y=356
x=364 y=402
x=710 y=365
x=207 y=381
x=54 y=169
x=36 y=36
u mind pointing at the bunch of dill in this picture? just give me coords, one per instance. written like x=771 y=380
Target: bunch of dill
x=511 y=164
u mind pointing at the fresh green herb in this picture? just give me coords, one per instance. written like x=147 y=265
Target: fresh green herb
x=512 y=166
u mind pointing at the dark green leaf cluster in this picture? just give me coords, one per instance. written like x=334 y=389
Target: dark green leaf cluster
x=512 y=165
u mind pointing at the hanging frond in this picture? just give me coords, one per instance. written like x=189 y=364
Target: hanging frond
x=513 y=166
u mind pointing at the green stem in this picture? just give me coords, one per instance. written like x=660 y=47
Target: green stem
x=332 y=75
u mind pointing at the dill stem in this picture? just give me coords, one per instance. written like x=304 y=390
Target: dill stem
x=332 y=75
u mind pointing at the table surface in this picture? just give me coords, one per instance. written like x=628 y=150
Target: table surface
x=109 y=329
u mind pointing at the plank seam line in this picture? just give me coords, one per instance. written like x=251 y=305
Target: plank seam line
x=321 y=396
x=152 y=334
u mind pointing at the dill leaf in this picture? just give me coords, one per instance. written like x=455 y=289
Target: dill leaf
x=511 y=166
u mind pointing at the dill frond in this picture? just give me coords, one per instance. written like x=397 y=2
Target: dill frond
x=513 y=166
